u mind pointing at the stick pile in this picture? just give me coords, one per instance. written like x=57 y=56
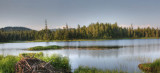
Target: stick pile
x=33 y=65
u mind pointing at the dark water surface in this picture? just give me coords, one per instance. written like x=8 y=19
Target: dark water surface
x=125 y=58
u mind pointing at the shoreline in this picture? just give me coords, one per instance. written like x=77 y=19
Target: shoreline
x=19 y=41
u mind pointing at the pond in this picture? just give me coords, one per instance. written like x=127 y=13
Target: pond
x=127 y=58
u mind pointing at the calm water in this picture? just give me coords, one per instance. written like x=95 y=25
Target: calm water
x=126 y=58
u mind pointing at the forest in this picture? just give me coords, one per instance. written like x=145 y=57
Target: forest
x=93 y=31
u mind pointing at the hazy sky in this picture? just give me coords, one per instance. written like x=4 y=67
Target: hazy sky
x=32 y=13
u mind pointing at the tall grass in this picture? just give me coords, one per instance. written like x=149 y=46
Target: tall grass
x=151 y=67
x=156 y=64
x=7 y=64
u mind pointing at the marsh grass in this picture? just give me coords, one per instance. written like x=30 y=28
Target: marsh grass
x=85 y=69
x=156 y=64
x=44 y=47
x=151 y=67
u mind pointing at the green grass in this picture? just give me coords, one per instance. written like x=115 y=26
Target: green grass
x=156 y=65
x=7 y=64
x=44 y=47
x=86 y=69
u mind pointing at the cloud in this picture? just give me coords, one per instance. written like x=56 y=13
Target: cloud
x=141 y=26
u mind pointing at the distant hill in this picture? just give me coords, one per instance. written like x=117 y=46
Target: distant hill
x=15 y=28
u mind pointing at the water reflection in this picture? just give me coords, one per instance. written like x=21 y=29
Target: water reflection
x=126 y=58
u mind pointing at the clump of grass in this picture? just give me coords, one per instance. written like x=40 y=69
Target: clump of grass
x=150 y=67
x=156 y=64
x=7 y=64
x=59 y=62
x=44 y=47
x=86 y=69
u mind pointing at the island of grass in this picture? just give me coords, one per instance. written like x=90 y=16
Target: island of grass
x=151 y=67
x=45 y=47
x=73 y=47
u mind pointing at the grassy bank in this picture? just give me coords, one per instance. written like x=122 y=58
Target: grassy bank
x=7 y=64
x=151 y=67
x=91 y=39
x=21 y=41
x=82 y=69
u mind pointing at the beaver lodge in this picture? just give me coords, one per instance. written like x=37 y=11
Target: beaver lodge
x=34 y=65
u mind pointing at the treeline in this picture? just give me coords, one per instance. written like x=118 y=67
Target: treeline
x=93 y=31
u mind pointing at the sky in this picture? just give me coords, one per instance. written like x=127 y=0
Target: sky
x=32 y=13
